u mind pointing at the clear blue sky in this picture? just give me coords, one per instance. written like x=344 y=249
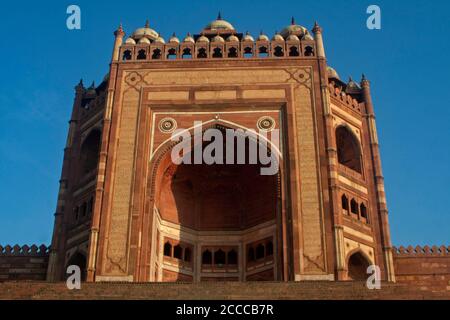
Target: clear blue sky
x=407 y=62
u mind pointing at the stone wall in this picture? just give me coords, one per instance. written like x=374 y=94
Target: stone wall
x=427 y=268
x=23 y=263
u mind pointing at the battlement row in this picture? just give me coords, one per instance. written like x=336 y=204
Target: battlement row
x=422 y=251
x=25 y=250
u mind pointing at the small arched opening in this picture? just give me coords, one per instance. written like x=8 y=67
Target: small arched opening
x=90 y=150
x=357 y=267
x=348 y=149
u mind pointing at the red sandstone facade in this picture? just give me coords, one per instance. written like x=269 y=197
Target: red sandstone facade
x=126 y=212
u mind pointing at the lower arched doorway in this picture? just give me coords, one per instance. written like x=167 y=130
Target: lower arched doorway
x=357 y=267
x=78 y=259
x=216 y=222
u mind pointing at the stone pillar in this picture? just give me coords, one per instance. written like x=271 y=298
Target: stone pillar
x=320 y=50
x=100 y=181
x=57 y=254
x=331 y=151
x=119 y=34
x=379 y=181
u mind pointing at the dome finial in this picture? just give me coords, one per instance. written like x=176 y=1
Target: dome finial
x=292 y=20
x=219 y=16
x=147 y=24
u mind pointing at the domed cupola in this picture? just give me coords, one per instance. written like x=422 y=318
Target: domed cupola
x=277 y=37
x=263 y=37
x=145 y=32
x=232 y=38
x=189 y=38
x=219 y=25
x=130 y=41
x=294 y=28
x=91 y=92
x=174 y=39
x=160 y=40
x=332 y=73
x=352 y=87
x=144 y=41
x=203 y=38
x=217 y=39
x=293 y=38
x=248 y=37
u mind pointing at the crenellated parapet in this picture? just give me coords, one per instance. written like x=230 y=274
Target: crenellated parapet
x=417 y=251
x=341 y=92
x=23 y=262
x=24 y=250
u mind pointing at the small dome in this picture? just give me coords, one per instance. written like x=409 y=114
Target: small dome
x=219 y=24
x=332 y=73
x=189 y=38
x=248 y=37
x=217 y=39
x=91 y=92
x=144 y=41
x=307 y=37
x=174 y=39
x=130 y=41
x=294 y=28
x=145 y=32
x=202 y=38
x=352 y=85
x=293 y=37
x=160 y=40
x=277 y=37
x=263 y=37
x=233 y=38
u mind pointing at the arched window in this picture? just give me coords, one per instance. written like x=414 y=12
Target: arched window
x=78 y=259
x=178 y=252
x=357 y=267
x=187 y=255
x=187 y=54
x=172 y=54
x=83 y=209
x=232 y=257
x=260 y=251
x=167 y=249
x=126 y=55
x=269 y=248
x=293 y=52
x=141 y=55
x=232 y=53
x=309 y=52
x=348 y=149
x=207 y=257
x=90 y=206
x=217 y=53
x=76 y=213
x=90 y=151
x=156 y=54
x=219 y=257
x=202 y=53
x=278 y=51
x=354 y=206
x=251 y=255
x=263 y=52
x=248 y=52
x=344 y=202
x=363 y=212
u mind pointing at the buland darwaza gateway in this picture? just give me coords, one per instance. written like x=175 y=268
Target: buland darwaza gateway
x=126 y=212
